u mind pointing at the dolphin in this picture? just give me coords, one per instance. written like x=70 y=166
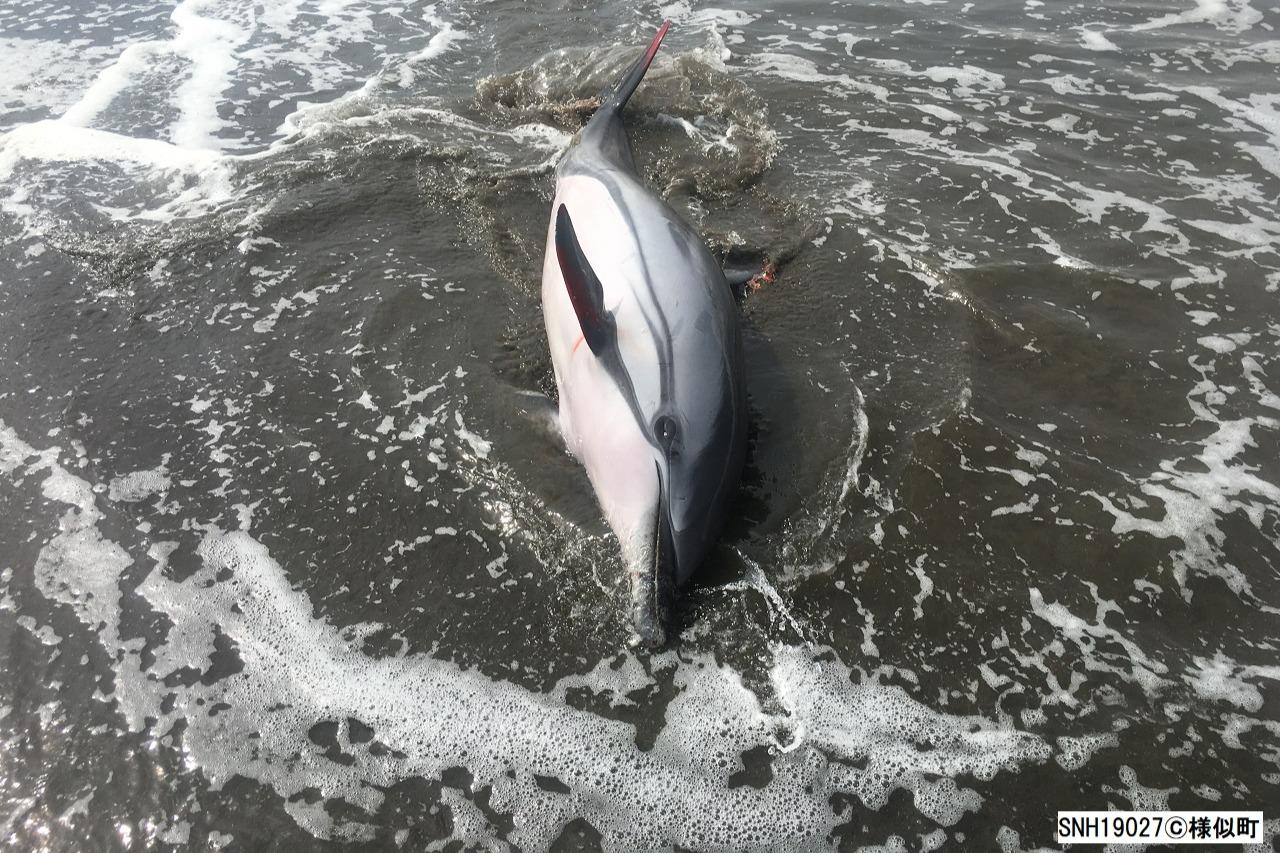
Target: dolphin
x=647 y=353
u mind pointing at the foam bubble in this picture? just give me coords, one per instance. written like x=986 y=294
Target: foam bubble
x=1095 y=40
x=178 y=112
x=1217 y=343
x=44 y=76
x=1195 y=500
x=1221 y=679
x=1142 y=669
x=1075 y=752
x=1233 y=16
x=1140 y=797
x=139 y=485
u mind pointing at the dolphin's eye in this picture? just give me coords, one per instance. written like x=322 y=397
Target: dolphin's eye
x=667 y=433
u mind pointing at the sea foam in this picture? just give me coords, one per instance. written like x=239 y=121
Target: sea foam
x=828 y=731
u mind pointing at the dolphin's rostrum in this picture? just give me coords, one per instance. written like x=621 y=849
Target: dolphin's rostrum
x=644 y=340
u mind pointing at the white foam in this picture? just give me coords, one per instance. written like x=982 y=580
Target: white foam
x=722 y=17
x=479 y=446
x=1224 y=680
x=208 y=43
x=1010 y=841
x=1255 y=232
x=939 y=112
x=45 y=75
x=444 y=39
x=968 y=79
x=1075 y=752
x=1262 y=51
x=1236 y=725
x=1140 y=797
x=892 y=844
x=214 y=51
x=932 y=840
x=1194 y=500
x=139 y=485
x=1217 y=343
x=1034 y=458
x=1261 y=110
x=56 y=141
x=1095 y=40
x=110 y=82
x=804 y=70
x=203 y=177
x=1020 y=508
x=1141 y=669
x=1233 y=16
x=834 y=514
x=926 y=587
x=298 y=301
x=754 y=578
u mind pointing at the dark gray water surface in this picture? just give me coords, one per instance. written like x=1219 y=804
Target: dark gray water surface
x=291 y=558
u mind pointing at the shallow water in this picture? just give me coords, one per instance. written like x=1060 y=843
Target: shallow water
x=292 y=560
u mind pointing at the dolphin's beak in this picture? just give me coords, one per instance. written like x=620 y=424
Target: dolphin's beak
x=653 y=584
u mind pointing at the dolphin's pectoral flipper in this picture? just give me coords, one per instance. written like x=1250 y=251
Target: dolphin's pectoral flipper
x=586 y=293
x=538 y=408
x=747 y=274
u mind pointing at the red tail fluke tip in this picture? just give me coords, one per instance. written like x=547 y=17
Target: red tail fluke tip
x=657 y=41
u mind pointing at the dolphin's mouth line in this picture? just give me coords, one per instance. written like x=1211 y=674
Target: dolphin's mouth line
x=656 y=570
x=661 y=574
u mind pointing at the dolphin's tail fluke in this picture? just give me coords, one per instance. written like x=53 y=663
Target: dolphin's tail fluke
x=616 y=96
x=604 y=135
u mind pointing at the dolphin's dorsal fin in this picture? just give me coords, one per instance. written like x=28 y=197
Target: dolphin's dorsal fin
x=586 y=293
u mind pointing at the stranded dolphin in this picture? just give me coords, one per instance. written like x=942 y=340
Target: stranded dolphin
x=644 y=339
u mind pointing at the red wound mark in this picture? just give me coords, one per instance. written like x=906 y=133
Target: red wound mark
x=767 y=274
